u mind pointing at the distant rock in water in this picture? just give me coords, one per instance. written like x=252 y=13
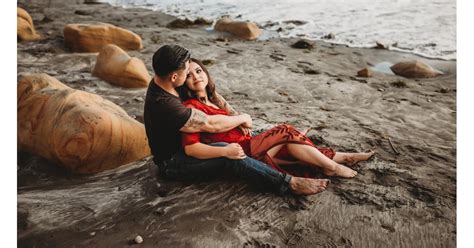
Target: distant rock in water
x=115 y=66
x=78 y=130
x=243 y=30
x=380 y=45
x=330 y=36
x=25 y=29
x=415 y=69
x=92 y=37
x=303 y=44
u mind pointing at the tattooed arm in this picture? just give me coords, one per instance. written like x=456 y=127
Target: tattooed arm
x=223 y=104
x=200 y=122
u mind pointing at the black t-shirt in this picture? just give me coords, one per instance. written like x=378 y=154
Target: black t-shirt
x=164 y=115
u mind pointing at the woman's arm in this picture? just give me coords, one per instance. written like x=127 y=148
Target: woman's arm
x=223 y=104
x=204 y=151
x=200 y=122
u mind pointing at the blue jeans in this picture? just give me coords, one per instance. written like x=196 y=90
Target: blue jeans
x=183 y=167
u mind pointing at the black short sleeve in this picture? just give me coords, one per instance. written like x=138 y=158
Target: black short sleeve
x=164 y=115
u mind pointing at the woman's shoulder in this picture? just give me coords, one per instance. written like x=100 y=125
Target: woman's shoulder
x=196 y=104
x=192 y=103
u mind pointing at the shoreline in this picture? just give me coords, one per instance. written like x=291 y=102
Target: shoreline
x=406 y=199
x=274 y=32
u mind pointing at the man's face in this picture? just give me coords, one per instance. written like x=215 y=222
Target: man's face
x=181 y=75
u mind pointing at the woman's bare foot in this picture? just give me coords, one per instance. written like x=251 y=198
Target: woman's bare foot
x=341 y=171
x=307 y=186
x=352 y=158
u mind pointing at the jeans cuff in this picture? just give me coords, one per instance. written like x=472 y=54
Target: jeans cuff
x=285 y=185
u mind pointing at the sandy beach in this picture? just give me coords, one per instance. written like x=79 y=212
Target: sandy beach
x=405 y=196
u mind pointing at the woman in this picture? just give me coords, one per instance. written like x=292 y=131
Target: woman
x=281 y=145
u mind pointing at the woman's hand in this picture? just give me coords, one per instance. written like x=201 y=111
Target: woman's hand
x=247 y=120
x=245 y=130
x=234 y=151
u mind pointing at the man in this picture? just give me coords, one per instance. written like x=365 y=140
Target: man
x=165 y=117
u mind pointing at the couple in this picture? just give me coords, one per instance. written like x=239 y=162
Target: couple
x=204 y=138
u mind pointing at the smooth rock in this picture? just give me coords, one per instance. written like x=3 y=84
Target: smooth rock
x=303 y=44
x=138 y=239
x=93 y=37
x=208 y=62
x=25 y=28
x=243 y=30
x=115 y=66
x=414 y=69
x=366 y=72
x=77 y=130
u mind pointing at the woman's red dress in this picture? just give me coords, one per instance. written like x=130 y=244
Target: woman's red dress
x=257 y=146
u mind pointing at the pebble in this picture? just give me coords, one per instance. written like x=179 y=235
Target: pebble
x=139 y=99
x=381 y=90
x=138 y=239
x=92 y=233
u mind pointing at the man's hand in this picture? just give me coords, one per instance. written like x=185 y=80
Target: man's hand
x=234 y=151
x=247 y=120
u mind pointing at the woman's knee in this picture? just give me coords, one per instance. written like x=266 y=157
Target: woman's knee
x=287 y=127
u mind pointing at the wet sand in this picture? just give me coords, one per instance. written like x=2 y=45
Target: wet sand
x=405 y=196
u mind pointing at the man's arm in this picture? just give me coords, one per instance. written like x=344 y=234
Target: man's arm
x=200 y=122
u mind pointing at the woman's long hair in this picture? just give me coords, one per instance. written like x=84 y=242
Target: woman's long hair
x=187 y=93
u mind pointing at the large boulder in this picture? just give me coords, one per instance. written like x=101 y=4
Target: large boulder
x=243 y=30
x=78 y=130
x=92 y=37
x=116 y=67
x=25 y=29
x=414 y=69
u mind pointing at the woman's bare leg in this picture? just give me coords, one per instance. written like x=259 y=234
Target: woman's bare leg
x=312 y=156
x=352 y=158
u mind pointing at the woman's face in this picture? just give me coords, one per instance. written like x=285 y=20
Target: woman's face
x=197 y=79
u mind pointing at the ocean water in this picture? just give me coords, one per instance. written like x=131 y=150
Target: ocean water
x=424 y=27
